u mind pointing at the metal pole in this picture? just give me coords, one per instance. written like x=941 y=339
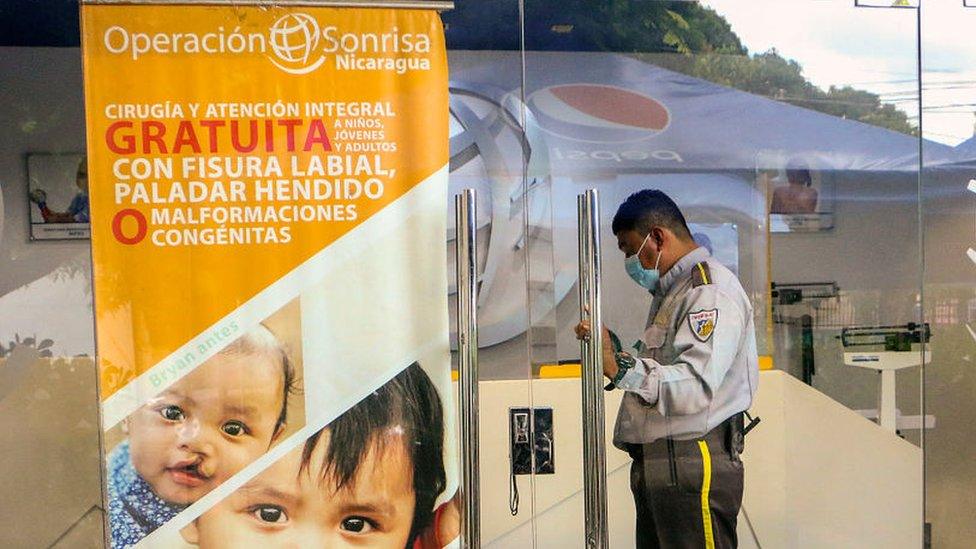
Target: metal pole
x=594 y=452
x=466 y=260
x=378 y=4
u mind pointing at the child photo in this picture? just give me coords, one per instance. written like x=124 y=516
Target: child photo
x=371 y=478
x=205 y=427
x=58 y=196
x=801 y=198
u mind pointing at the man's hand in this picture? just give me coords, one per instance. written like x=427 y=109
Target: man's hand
x=609 y=362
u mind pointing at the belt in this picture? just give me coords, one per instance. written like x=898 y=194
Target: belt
x=727 y=435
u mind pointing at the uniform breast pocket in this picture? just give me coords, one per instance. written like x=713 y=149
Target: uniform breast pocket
x=654 y=337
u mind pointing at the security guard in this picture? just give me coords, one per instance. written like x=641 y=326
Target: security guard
x=687 y=383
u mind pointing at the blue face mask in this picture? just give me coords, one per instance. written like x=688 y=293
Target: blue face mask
x=647 y=278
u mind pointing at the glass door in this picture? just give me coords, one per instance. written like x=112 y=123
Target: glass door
x=793 y=155
x=948 y=299
x=491 y=153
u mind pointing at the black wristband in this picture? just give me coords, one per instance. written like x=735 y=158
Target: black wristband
x=624 y=362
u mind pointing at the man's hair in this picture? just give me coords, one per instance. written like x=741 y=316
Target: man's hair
x=262 y=340
x=647 y=209
x=408 y=403
x=799 y=175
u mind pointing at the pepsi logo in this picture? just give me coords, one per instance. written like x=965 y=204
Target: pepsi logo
x=598 y=113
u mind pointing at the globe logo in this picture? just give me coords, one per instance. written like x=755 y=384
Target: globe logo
x=295 y=41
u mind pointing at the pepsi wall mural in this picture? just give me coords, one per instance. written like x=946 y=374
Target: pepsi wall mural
x=619 y=123
x=629 y=126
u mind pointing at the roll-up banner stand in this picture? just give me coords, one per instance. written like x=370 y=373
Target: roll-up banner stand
x=268 y=187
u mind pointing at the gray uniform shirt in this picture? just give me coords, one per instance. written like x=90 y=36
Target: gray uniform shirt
x=698 y=363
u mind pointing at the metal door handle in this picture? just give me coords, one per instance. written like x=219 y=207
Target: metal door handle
x=591 y=359
x=466 y=261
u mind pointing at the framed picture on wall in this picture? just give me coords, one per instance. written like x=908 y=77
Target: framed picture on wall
x=58 y=196
x=801 y=199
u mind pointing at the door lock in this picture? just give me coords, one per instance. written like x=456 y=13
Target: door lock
x=531 y=441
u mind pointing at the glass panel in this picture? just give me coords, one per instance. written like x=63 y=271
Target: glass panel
x=490 y=153
x=949 y=299
x=793 y=153
x=48 y=409
x=719 y=104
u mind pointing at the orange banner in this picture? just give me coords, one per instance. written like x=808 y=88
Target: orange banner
x=268 y=188
x=229 y=145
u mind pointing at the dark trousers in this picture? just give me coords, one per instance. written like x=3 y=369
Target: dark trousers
x=688 y=492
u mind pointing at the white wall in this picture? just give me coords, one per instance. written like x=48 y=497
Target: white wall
x=50 y=484
x=822 y=476
x=817 y=474
x=554 y=498
x=44 y=286
x=874 y=254
x=48 y=411
x=950 y=378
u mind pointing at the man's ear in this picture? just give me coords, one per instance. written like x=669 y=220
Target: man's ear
x=658 y=234
x=190 y=533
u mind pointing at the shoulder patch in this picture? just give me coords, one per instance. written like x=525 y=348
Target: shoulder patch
x=700 y=275
x=702 y=323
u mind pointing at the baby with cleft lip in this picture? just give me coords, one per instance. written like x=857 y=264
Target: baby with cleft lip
x=197 y=433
